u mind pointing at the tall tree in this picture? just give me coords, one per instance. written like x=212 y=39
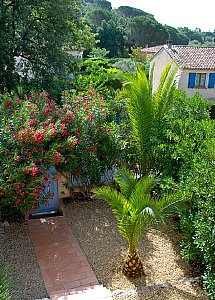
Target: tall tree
x=177 y=37
x=145 y=30
x=131 y=12
x=99 y=3
x=111 y=37
x=95 y=16
x=34 y=33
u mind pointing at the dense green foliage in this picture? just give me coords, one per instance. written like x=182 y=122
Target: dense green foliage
x=33 y=35
x=145 y=31
x=182 y=145
x=111 y=37
x=185 y=159
x=131 y=12
x=127 y=27
x=177 y=37
x=198 y=37
x=97 y=74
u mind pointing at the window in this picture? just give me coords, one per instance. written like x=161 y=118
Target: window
x=211 y=82
x=200 y=80
x=191 y=82
x=197 y=80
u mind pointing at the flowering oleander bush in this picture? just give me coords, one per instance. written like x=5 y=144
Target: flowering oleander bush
x=36 y=133
x=97 y=149
x=30 y=129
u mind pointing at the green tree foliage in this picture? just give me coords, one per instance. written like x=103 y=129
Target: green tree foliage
x=111 y=37
x=131 y=12
x=185 y=157
x=100 y=3
x=145 y=30
x=197 y=37
x=181 y=134
x=123 y=28
x=138 y=27
x=95 y=16
x=36 y=32
x=177 y=37
x=98 y=53
x=97 y=73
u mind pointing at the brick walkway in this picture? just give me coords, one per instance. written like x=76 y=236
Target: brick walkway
x=65 y=269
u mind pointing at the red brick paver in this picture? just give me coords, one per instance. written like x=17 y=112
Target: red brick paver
x=64 y=267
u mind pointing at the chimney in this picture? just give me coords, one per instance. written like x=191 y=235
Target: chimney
x=169 y=44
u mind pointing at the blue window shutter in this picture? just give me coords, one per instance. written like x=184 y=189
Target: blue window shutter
x=192 y=79
x=211 y=82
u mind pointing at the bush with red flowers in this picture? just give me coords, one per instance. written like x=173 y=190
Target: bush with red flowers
x=36 y=133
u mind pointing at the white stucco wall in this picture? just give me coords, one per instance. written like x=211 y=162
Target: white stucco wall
x=160 y=61
x=162 y=58
x=77 y=54
x=206 y=93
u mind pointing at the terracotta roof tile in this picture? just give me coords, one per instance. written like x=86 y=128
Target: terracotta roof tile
x=154 y=49
x=190 y=57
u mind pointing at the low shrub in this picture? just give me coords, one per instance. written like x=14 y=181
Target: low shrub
x=97 y=74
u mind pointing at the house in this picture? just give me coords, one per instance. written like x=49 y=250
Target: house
x=196 y=71
x=149 y=51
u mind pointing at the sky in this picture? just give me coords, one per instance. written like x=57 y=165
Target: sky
x=182 y=13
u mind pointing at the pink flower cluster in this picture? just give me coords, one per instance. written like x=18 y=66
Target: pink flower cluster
x=43 y=133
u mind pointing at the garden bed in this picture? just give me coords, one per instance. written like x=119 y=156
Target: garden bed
x=95 y=228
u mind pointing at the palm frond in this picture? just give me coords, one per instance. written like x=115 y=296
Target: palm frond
x=140 y=197
x=164 y=94
x=139 y=105
x=127 y=227
x=126 y=180
x=174 y=203
x=116 y=200
x=133 y=225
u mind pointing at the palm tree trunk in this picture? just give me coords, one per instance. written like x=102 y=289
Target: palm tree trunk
x=133 y=266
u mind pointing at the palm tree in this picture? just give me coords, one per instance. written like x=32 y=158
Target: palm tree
x=146 y=109
x=135 y=210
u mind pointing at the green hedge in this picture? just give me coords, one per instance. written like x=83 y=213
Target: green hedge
x=186 y=160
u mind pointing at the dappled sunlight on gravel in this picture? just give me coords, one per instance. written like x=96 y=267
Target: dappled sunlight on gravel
x=18 y=254
x=96 y=230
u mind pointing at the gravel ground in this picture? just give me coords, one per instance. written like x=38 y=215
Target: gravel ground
x=95 y=228
x=17 y=252
x=178 y=292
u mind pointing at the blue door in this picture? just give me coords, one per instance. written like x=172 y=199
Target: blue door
x=53 y=207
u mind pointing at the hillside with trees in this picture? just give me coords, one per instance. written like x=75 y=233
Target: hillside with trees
x=119 y=30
